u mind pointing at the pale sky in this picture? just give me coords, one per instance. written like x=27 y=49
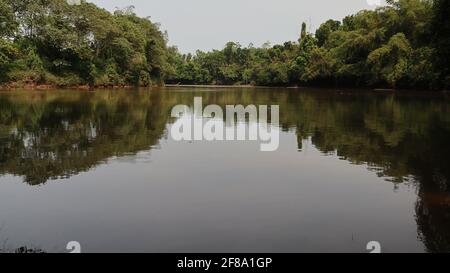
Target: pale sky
x=210 y=24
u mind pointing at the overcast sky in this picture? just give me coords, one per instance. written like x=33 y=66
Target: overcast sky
x=208 y=24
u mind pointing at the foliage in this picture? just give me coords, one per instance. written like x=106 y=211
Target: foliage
x=78 y=44
x=402 y=45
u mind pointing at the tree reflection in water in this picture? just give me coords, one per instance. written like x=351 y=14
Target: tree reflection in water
x=57 y=134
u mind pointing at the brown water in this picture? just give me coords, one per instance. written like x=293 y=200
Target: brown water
x=101 y=168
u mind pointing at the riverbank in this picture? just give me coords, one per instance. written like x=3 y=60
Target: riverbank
x=220 y=86
x=14 y=86
x=212 y=86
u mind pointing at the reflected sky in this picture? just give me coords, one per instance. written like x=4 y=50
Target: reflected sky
x=345 y=174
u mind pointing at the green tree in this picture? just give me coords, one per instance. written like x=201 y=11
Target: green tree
x=83 y=44
x=440 y=27
x=325 y=30
x=390 y=62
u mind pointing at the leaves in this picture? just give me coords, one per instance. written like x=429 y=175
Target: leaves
x=387 y=47
x=85 y=42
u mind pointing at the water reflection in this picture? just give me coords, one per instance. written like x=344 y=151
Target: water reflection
x=403 y=138
x=59 y=134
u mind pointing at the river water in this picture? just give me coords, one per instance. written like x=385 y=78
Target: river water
x=103 y=169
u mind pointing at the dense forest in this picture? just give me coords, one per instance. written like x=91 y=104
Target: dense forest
x=53 y=42
x=405 y=44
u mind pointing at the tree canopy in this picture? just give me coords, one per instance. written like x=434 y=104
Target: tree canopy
x=402 y=45
x=52 y=42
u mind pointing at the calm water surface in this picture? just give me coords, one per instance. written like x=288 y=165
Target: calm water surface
x=101 y=168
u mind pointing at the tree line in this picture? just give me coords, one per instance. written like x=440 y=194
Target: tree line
x=405 y=44
x=402 y=45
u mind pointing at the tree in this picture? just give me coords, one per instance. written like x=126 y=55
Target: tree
x=403 y=44
x=83 y=44
x=390 y=62
x=302 y=32
x=8 y=25
x=325 y=30
x=440 y=26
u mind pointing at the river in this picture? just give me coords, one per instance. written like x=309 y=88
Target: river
x=102 y=168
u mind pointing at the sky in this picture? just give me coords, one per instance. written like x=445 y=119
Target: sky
x=210 y=24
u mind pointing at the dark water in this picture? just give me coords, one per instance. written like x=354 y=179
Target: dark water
x=101 y=168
